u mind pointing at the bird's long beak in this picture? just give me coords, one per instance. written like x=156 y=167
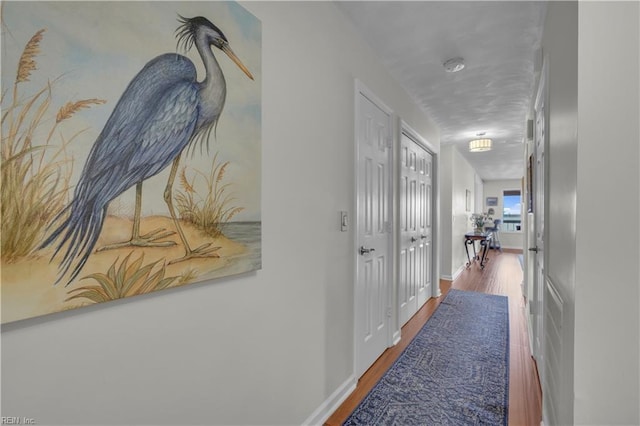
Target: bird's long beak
x=226 y=49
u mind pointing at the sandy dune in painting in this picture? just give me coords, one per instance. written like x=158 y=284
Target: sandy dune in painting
x=27 y=285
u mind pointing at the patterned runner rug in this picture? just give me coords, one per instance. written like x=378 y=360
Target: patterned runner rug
x=454 y=372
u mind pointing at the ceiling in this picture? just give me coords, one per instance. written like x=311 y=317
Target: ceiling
x=499 y=42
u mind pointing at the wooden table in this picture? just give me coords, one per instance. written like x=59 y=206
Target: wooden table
x=470 y=239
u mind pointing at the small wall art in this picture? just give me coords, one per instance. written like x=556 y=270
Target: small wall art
x=492 y=201
x=131 y=151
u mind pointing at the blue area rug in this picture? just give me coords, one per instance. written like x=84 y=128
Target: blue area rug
x=454 y=372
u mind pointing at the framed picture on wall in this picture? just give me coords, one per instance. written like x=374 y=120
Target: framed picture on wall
x=136 y=187
x=492 y=201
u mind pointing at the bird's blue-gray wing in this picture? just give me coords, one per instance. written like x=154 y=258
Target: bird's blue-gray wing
x=129 y=150
x=165 y=132
x=135 y=108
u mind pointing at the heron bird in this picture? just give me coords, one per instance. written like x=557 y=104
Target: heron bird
x=163 y=110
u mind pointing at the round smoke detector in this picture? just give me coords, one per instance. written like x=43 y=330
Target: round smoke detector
x=454 y=64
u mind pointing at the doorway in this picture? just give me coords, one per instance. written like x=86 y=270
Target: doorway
x=415 y=260
x=397 y=261
x=374 y=230
x=537 y=308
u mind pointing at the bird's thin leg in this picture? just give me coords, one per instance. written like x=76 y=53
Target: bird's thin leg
x=168 y=198
x=200 y=252
x=135 y=232
x=147 y=240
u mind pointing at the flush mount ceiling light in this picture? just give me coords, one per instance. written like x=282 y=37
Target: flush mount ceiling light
x=454 y=65
x=480 y=145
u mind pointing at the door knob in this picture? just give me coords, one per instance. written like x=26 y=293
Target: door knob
x=413 y=239
x=364 y=251
x=534 y=249
x=422 y=237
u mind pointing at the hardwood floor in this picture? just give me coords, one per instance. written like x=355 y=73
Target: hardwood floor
x=503 y=276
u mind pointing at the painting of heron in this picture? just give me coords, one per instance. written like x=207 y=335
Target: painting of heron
x=131 y=157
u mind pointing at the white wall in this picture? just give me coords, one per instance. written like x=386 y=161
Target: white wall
x=457 y=176
x=262 y=348
x=496 y=188
x=593 y=151
x=446 y=216
x=464 y=177
x=607 y=336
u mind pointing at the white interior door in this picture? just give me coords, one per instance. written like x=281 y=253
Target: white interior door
x=537 y=304
x=416 y=241
x=374 y=230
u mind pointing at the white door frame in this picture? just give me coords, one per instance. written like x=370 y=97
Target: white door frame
x=362 y=90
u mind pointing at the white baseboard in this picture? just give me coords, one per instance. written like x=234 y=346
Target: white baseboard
x=458 y=272
x=455 y=274
x=331 y=404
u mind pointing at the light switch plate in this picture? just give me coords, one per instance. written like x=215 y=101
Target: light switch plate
x=344 y=221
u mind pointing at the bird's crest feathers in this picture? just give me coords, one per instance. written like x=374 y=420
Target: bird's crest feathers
x=186 y=32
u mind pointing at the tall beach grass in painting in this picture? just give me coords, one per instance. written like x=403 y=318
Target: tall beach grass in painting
x=208 y=212
x=139 y=238
x=33 y=190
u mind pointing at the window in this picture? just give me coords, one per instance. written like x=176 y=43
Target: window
x=511 y=211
